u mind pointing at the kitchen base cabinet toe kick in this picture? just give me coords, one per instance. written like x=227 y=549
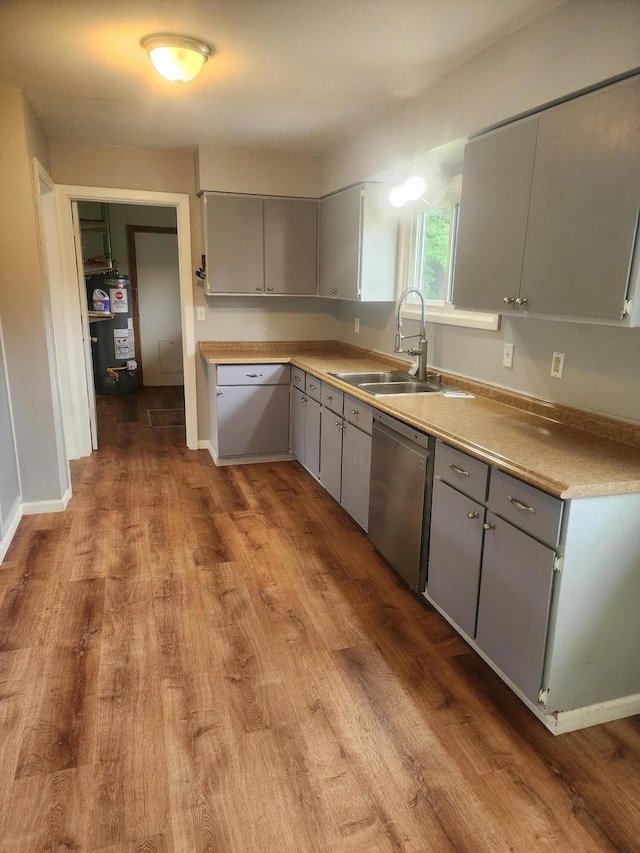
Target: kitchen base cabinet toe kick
x=546 y=591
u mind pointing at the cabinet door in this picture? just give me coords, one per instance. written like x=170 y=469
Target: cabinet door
x=513 y=610
x=455 y=554
x=234 y=244
x=253 y=420
x=298 y=423
x=339 y=244
x=331 y=430
x=312 y=437
x=584 y=205
x=290 y=245
x=356 y=471
x=496 y=187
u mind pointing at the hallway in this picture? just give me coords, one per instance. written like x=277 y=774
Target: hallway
x=214 y=659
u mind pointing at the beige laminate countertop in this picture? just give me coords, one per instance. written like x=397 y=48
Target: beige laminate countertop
x=563 y=460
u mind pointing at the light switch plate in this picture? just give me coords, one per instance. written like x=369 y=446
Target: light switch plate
x=557 y=365
x=507 y=355
x=200 y=312
x=356 y=325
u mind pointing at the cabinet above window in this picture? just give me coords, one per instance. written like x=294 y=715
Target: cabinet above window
x=549 y=212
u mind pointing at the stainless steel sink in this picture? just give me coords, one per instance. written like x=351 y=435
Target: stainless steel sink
x=357 y=379
x=415 y=386
x=389 y=382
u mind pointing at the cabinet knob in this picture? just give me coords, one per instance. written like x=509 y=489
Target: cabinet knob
x=489 y=525
x=258 y=287
x=355 y=412
x=296 y=379
x=333 y=290
x=328 y=397
x=521 y=300
x=472 y=515
x=304 y=399
x=269 y=289
x=219 y=393
x=509 y=300
x=313 y=387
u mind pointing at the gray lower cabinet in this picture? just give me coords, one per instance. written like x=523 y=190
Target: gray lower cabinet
x=253 y=420
x=513 y=609
x=331 y=429
x=305 y=431
x=249 y=410
x=455 y=554
x=356 y=470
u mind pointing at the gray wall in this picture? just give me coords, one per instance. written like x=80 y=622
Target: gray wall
x=601 y=370
x=9 y=480
x=25 y=310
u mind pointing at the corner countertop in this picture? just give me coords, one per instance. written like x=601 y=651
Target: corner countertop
x=561 y=459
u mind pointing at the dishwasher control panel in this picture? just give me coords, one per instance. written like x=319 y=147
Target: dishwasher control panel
x=404 y=429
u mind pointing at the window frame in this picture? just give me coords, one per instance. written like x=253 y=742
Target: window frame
x=410 y=245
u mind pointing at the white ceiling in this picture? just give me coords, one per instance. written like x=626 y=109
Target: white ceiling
x=290 y=74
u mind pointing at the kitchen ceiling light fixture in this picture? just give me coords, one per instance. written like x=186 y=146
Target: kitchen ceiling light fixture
x=177 y=58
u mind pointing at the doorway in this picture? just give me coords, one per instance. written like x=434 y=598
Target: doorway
x=76 y=304
x=130 y=262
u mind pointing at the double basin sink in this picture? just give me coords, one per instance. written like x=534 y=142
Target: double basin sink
x=390 y=382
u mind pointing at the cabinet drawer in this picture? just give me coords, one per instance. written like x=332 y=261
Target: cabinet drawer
x=332 y=398
x=298 y=378
x=253 y=374
x=467 y=474
x=358 y=413
x=528 y=508
x=314 y=387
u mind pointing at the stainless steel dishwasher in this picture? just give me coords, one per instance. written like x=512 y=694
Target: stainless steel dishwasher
x=400 y=499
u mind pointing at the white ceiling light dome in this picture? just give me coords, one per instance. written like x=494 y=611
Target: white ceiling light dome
x=177 y=58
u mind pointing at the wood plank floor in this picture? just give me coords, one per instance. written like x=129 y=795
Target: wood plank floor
x=202 y=659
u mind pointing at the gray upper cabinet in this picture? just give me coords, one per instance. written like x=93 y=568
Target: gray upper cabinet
x=260 y=246
x=549 y=211
x=290 y=245
x=234 y=251
x=496 y=186
x=358 y=245
x=584 y=205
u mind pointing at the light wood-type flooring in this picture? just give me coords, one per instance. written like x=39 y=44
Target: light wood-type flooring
x=214 y=659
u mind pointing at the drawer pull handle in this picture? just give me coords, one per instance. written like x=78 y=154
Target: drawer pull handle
x=472 y=515
x=518 y=505
x=489 y=525
x=459 y=470
x=254 y=375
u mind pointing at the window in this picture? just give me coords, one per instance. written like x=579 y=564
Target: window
x=428 y=249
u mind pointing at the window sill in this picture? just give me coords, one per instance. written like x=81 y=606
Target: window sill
x=449 y=316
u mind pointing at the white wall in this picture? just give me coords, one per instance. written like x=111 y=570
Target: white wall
x=570 y=48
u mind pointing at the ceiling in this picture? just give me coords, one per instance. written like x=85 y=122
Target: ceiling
x=296 y=75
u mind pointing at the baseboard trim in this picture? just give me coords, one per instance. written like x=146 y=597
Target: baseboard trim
x=14 y=520
x=38 y=507
x=204 y=444
x=593 y=715
x=222 y=461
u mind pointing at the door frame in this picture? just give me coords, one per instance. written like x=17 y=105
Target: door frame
x=73 y=291
x=132 y=230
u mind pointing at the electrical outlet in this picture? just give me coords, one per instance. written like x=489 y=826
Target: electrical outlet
x=507 y=355
x=557 y=365
x=200 y=312
x=356 y=325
